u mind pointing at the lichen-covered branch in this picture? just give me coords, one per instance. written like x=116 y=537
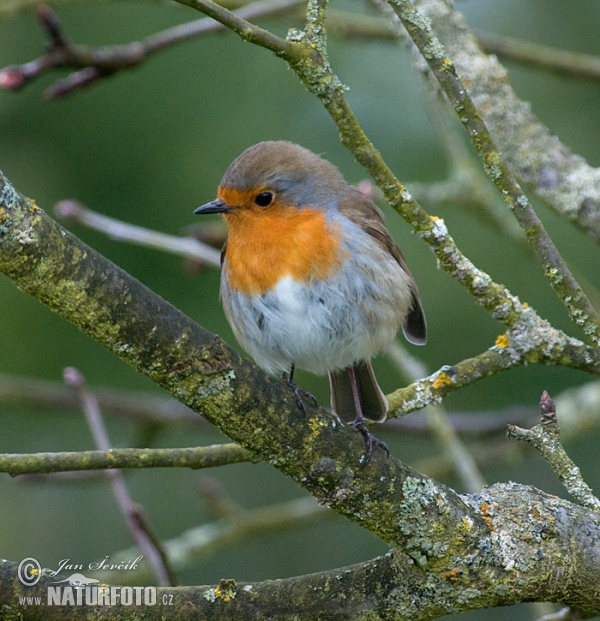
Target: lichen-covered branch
x=567 y=288
x=545 y=165
x=529 y=340
x=523 y=553
x=257 y=411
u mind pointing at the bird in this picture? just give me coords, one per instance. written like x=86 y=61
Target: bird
x=311 y=278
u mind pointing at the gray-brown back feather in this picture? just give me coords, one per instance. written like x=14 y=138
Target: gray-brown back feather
x=365 y=213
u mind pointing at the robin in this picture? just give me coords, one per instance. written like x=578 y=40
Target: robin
x=311 y=278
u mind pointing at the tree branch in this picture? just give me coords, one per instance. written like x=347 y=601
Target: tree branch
x=16 y=464
x=545 y=438
x=561 y=178
x=96 y=63
x=567 y=288
x=138 y=406
x=73 y=211
x=133 y=513
x=530 y=339
x=563 y=62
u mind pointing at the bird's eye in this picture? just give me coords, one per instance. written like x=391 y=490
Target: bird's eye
x=264 y=199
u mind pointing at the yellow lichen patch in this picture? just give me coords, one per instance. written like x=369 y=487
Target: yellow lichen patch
x=314 y=425
x=485 y=508
x=451 y=575
x=442 y=380
x=502 y=341
x=525 y=305
x=226 y=590
x=488 y=520
x=466 y=524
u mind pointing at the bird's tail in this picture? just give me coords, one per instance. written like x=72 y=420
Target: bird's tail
x=373 y=402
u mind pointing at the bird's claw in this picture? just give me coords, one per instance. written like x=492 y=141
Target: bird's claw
x=370 y=441
x=300 y=394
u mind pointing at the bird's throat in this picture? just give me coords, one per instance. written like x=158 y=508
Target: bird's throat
x=265 y=246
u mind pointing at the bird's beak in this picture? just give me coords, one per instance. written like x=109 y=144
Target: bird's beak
x=216 y=206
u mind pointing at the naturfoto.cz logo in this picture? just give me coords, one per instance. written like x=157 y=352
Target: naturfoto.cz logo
x=79 y=590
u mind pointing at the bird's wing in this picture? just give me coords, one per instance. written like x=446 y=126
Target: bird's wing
x=364 y=212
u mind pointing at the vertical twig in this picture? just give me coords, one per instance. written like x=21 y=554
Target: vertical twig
x=545 y=439
x=132 y=512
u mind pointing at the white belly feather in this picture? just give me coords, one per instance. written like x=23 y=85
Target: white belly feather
x=324 y=325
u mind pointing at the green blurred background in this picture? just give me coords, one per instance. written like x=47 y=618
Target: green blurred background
x=148 y=146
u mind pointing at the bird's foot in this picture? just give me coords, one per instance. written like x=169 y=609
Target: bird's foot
x=370 y=441
x=301 y=395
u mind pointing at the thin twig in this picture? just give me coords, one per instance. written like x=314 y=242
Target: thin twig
x=96 y=63
x=196 y=458
x=545 y=439
x=564 y=62
x=74 y=211
x=201 y=543
x=145 y=407
x=133 y=512
x=220 y=504
x=477 y=423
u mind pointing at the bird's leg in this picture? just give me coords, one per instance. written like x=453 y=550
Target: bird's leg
x=359 y=422
x=300 y=394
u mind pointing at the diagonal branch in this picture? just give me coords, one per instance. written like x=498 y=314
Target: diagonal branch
x=567 y=288
x=96 y=63
x=133 y=513
x=257 y=411
x=530 y=339
x=545 y=165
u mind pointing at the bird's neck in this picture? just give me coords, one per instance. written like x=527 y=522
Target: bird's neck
x=267 y=245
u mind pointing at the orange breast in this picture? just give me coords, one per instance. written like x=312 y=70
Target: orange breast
x=265 y=245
